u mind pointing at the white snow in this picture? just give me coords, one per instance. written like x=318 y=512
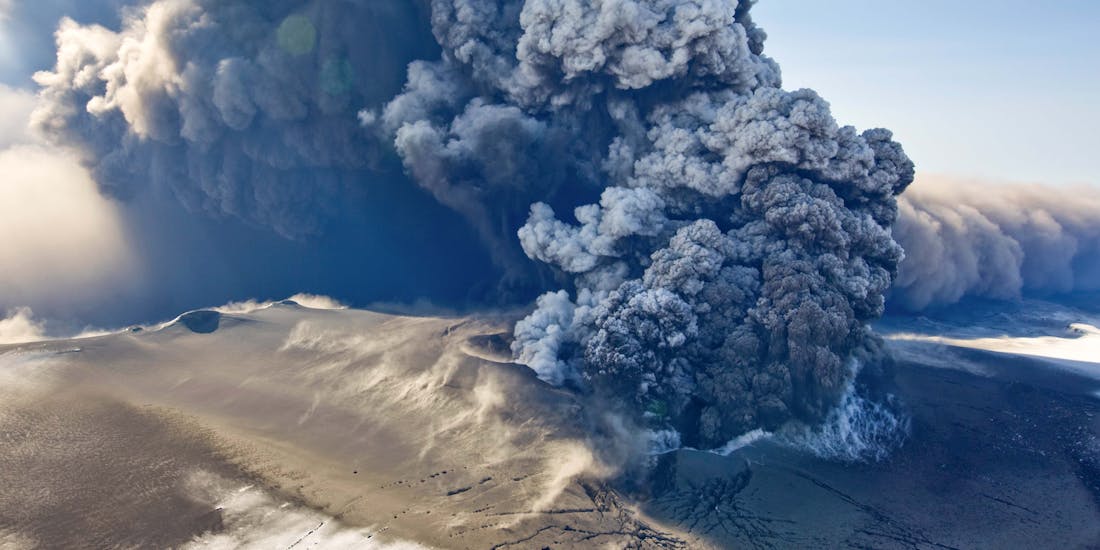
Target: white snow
x=1078 y=350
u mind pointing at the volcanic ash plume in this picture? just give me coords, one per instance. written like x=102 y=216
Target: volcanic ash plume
x=720 y=243
x=739 y=242
x=242 y=109
x=995 y=241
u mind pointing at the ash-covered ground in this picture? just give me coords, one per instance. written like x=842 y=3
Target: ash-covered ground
x=291 y=427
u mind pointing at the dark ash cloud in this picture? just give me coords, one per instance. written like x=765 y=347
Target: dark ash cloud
x=724 y=242
x=717 y=244
x=244 y=110
x=998 y=241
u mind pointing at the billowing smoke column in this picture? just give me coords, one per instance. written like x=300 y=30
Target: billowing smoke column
x=245 y=109
x=995 y=241
x=739 y=244
x=720 y=243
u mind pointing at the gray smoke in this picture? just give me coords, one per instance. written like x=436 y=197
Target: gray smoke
x=720 y=243
x=244 y=109
x=995 y=241
x=738 y=239
x=26 y=32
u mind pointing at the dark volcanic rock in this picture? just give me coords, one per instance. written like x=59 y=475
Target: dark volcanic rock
x=688 y=472
x=991 y=462
x=498 y=345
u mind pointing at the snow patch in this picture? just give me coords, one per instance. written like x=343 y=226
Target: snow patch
x=1077 y=350
x=253 y=519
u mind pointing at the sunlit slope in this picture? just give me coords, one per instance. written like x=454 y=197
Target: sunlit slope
x=285 y=426
x=390 y=426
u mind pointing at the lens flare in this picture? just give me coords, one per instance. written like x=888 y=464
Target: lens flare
x=297 y=35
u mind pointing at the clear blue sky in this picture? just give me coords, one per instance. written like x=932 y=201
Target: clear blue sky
x=997 y=89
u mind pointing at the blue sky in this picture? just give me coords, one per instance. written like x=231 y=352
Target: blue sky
x=1001 y=90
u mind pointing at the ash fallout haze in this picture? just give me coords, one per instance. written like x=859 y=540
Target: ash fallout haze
x=571 y=273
